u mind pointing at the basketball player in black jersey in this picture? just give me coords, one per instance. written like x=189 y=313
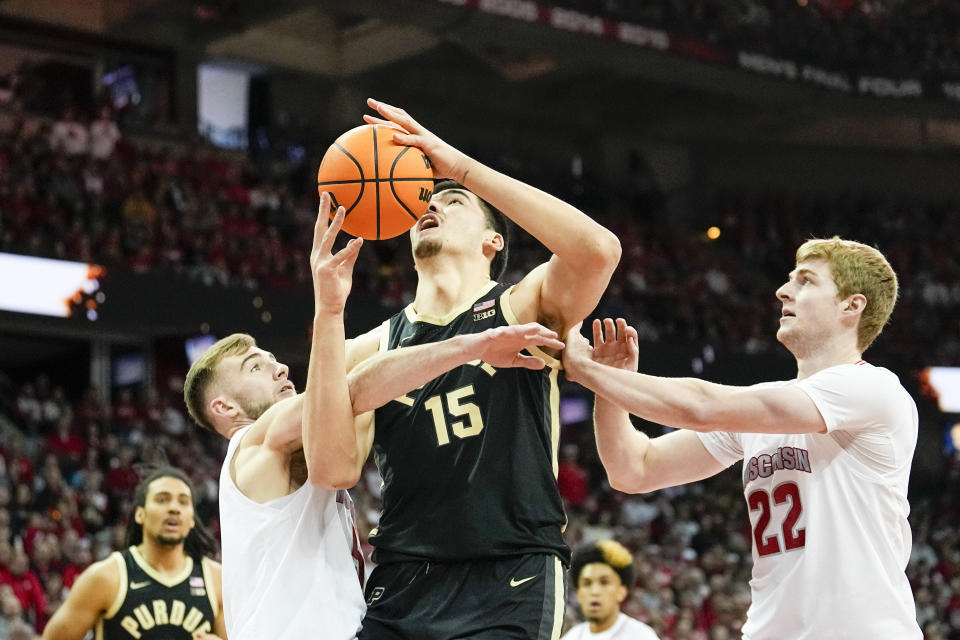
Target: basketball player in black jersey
x=162 y=587
x=470 y=543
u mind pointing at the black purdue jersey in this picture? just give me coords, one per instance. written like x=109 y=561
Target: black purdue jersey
x=469 y=460
x=151 y=607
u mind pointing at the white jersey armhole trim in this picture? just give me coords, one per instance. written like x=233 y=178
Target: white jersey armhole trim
x=511 y=318
x=208 y=581
x=121 y=590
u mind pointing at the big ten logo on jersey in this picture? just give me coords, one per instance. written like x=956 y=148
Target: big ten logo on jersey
x=197 y=587
x=145 y=617
x=484 y=310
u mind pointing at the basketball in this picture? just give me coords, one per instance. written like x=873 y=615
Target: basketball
x=385 y=187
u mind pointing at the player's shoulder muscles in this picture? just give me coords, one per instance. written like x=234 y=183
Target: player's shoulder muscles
x=365 y=345
x=97 y=591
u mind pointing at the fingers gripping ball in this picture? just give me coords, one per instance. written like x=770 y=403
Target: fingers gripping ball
x=385 y=187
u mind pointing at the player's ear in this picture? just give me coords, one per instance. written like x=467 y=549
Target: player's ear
x=222 y=406
x=139 y=515
x=492 y=241
x=855 y=304
x=621 y=594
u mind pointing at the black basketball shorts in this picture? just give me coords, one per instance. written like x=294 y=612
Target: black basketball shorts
x=515 y=598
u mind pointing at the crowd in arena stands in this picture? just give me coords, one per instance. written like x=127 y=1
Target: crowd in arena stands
x=68 y=466
x=216 y=218
x=885 y=37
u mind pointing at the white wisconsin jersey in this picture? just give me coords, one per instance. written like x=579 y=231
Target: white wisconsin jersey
x=289 y=565
x=625 y=628
x=828 y=512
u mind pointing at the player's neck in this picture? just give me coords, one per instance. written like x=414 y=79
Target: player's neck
x=167 y=560
x=599 y=626
x=442 y=288
x=830 y=355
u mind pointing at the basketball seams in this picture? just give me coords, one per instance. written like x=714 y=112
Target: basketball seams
x=393 y=189
x=368 y=180
x=376 y=174
x=362 y=181
x=348 y=162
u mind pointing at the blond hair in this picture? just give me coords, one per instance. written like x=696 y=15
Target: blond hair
x=202 y=374
x=857 y=268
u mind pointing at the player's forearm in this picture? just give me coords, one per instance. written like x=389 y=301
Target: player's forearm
x=683 y=403
x=622 y=448
x=329 y=438
x=391 y=374
x=566 y=231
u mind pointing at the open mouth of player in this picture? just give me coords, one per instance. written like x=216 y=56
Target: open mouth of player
x=171 y=523
x=287 y=387
x=428 y=221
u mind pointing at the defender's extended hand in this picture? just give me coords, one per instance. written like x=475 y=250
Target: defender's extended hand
x=447 y=161
x=500 y=347
x=615 y=346
x=332 y=272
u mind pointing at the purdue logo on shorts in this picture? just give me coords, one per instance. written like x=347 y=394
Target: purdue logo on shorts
x=375 y=595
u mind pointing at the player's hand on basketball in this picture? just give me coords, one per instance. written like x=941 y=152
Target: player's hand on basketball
x=501 y=347
x=447 y=161
x=332 y=272
x=615 y=344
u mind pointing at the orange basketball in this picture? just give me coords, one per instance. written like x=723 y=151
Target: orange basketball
x=384 y=186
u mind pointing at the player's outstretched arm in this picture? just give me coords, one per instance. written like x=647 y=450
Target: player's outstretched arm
x=561 y=292
x=634 y=462
x=390 y=374
x=330 y=445
x=690 y=403
x=91 y=595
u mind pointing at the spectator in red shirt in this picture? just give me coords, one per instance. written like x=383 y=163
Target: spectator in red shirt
x=76 y=551
x=571 y=478
x=66 y=445
x=27 y=587
x=122 y=478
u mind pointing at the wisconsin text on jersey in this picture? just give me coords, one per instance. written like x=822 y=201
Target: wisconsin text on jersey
x=764 y=465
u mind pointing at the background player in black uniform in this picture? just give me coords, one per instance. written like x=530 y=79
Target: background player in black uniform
x=163 y=587
x=469 y=544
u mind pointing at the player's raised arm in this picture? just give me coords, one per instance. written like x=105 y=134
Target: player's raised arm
x=333 y=454
x=634 y=462
x=559 y=293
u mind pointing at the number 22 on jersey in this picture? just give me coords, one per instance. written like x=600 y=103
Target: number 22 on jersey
x=782 y=494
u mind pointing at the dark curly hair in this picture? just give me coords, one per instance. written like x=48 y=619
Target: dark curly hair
x=608 y=552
